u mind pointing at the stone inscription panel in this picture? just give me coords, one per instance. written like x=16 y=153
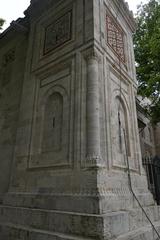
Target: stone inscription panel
x=115 y=37
x=59 y=32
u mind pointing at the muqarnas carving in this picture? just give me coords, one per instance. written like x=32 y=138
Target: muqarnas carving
x=115 y=37
x=58 y=32
x=52 y=125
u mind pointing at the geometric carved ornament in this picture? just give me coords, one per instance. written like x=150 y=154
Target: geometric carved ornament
x=58 y=32
x=115 y=37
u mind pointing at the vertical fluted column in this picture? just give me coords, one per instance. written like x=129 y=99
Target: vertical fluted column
x=93 y=112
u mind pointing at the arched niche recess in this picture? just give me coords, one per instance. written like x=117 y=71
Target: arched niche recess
x=53 y=107
x=50 y=144
x=123 y=139
x=120 y=129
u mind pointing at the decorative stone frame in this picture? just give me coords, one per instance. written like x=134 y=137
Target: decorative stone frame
x=67 y=33
x=41 y=57
x=121 y=31
x=58 y=157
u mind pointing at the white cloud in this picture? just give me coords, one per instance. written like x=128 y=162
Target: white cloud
x=134 y=3
x=12 y=9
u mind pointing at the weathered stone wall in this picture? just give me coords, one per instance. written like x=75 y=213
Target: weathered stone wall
x=77 y=126
x=56 y=79
x=12 y=65
x=119 y=131
x=90 y=87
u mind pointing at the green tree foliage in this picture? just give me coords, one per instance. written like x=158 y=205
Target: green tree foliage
x=2 y=21
x=147 y=54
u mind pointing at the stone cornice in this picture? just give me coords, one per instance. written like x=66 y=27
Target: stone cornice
x=20 y=25
x=127 y=14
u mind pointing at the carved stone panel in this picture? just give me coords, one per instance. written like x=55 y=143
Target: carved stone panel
x=58 y=32
x=115 y=37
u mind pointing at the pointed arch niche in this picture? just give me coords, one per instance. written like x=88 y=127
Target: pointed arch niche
x=121 y=133
x=51 y=129
x=123 y=140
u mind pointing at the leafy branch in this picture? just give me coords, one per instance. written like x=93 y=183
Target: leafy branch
x=147 y=52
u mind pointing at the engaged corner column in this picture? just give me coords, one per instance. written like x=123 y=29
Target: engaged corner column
x=93 y=158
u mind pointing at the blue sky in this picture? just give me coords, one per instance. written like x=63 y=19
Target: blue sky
x=12 y=9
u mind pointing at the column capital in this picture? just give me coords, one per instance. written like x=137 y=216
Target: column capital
x=92 y=54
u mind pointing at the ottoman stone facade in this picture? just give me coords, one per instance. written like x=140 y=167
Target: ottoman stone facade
x=68 y=125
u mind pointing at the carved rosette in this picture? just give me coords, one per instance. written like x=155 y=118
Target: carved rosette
x=93 y=156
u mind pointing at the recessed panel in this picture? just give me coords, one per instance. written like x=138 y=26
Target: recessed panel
x=51 y=124
x=59 y=32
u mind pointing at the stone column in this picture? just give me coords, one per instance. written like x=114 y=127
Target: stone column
x=92 y=106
